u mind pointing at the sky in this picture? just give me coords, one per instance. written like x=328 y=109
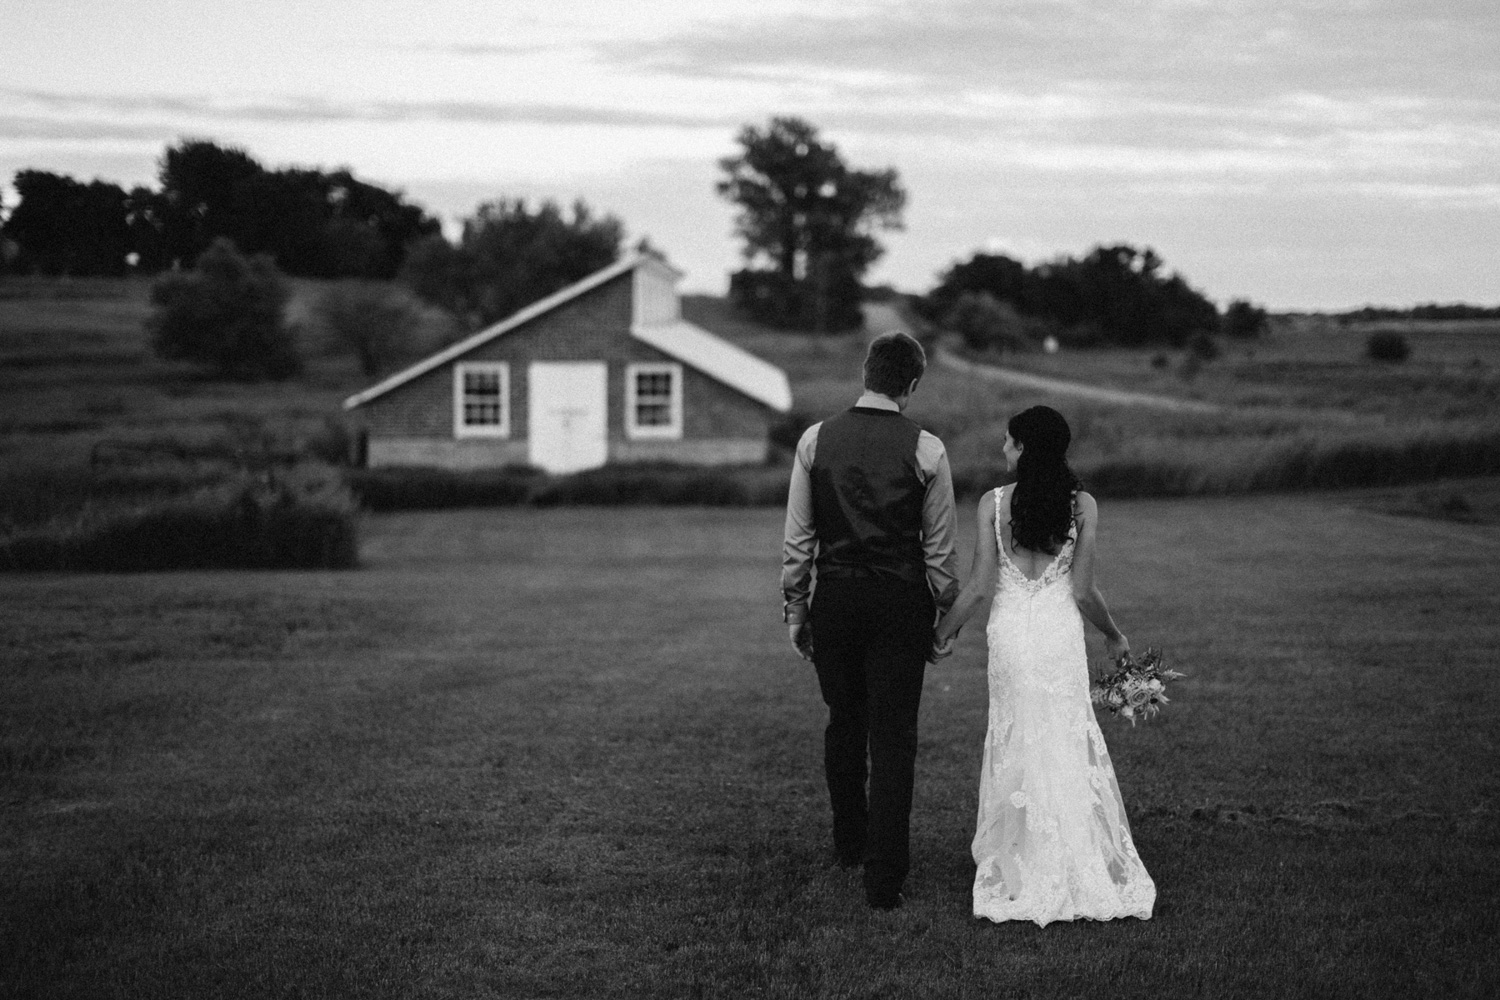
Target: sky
x=1302 y=154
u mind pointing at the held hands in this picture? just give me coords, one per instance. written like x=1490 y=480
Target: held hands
x=1117 y=647
x=941 y=648
x=801 y=636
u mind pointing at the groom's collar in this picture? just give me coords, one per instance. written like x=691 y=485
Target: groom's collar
x=875 y=401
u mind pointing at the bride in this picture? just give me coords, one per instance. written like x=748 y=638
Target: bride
x=1052 y=841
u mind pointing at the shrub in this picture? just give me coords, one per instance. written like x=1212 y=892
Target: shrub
x=332 y=443
x=1387 y=345
x=1243 y=320
x=668 y=487
x=1081 y=336
x=376 y=321
x=225 y=314
x=787 y=429
x=388 y=489
x=986 y=323
x=1203 y=347
x=34 y=496
x=298 y=522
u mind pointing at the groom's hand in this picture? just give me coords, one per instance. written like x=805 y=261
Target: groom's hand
x=801 y=636
x=941 y=649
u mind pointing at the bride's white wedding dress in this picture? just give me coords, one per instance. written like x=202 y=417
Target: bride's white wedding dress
x=1052 y=842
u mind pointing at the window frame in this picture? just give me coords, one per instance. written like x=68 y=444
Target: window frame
x=467 y=430
x=670 y=431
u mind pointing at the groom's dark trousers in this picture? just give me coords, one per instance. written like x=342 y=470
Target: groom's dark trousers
x=872 y=497
x=871 y=637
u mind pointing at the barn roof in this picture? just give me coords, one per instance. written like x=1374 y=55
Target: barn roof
x=715 y=357
x=719 y=358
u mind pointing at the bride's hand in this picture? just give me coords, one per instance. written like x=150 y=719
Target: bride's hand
x=941 y=648
x=1117 y=647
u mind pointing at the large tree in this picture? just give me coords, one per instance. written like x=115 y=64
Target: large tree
x=811 y=218
x=204 y=188
x=62 y=226
x=509 y=256
x=312 y=222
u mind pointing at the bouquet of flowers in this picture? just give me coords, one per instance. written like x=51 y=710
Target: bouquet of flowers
x=1136 y=688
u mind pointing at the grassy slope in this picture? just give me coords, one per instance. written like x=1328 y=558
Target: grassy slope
x=76 y=368
x=545 y=753
x=1304 y=408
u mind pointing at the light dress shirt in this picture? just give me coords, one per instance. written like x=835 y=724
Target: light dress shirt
x=799 y=547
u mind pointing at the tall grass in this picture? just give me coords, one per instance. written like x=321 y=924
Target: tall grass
x=1298 y=462
x=420 y=488
x=294 y=521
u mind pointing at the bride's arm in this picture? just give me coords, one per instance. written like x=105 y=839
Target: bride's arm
x=981 y=574
x=1085 y=590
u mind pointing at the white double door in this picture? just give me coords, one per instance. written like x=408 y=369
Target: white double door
x=567 y=414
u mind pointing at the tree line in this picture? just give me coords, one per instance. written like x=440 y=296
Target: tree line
x=1116 y=295
x=808 y=222
x=1424 y=311
x=311 y=222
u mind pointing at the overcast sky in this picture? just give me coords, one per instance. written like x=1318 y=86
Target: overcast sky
x=1300 y=153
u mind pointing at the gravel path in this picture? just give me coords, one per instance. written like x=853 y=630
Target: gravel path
x=1117 y=397
x=881 y=318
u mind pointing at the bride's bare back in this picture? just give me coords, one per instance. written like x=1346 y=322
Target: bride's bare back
x=1031 y=563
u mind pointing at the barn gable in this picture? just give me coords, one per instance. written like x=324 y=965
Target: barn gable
x=610 y=353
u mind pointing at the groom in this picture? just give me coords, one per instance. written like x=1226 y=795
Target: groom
x=870 y=515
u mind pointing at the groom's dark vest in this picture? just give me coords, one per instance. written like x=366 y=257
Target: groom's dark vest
x=867 y=496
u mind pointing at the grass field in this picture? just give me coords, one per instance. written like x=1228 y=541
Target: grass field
x=557 y=754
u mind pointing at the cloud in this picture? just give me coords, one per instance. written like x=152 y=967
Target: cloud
x=1155 y=46
x=309 y=110
x=480 y=49
x=68 y=130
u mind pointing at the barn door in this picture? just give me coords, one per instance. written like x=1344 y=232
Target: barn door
x=567 y=415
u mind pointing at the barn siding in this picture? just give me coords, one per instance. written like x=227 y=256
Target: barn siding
x=720 y=424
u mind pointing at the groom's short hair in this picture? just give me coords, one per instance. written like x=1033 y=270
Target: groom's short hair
x=893 y=362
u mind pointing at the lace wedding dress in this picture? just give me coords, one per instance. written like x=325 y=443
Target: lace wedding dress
x=1052 y=841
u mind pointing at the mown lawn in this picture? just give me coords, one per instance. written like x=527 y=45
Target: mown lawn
x=567 y=753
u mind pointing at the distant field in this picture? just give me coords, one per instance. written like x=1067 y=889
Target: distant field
x=78 y=369
x=1303 y=409
x=1453 y=371
x=1300 y=397
x=569 y=754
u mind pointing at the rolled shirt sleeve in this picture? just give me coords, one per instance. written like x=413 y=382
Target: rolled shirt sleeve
x=799 y=545
x=939 y=521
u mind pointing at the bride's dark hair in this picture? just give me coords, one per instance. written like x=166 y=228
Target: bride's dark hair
x=1041 y=506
